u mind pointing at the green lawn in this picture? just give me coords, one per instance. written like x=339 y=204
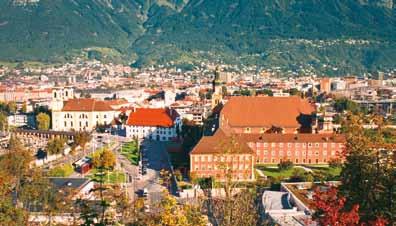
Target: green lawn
x=275 y=172
x=334 y=173
x=130 y=151
x=112 y=177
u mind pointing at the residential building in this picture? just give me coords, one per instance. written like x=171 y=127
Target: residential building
x=161 y=124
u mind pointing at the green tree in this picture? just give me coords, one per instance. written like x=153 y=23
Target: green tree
x=43 y=121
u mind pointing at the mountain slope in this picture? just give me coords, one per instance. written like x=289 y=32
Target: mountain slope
x=354 y=35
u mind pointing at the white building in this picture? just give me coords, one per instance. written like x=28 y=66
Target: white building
x=160 y=124
x=85 y=114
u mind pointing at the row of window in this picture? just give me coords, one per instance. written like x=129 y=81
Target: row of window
x=83 y=116
x=297 y=145
x=296 y=153
x=296 y=161
x=209 y=158
x=234 y=167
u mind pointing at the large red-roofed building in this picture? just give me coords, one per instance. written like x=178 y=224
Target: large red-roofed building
x=263 y=130
x=162 y=124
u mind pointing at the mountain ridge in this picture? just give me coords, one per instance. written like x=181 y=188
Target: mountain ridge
x=147 y=32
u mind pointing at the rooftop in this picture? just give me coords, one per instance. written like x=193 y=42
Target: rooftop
x=156 y=117
x=263 y=111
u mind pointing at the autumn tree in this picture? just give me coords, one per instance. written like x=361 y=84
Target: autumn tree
x=43 y=121
x=330 y=209
x=104 y=159
x=12 y=107
x=3 y=121
x=55 y=146
x=369 y=171
x=82 y=138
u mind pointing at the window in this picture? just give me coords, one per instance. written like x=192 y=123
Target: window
x=309 y=153
x=297 y=145
x=289 y=145
x=248 y=130
x=324 y=152
x=333 y=145
x=280 y=153
x=317 y=145
x=262 y=130
x=316 y=153
x=265 y=152
x=325 y=145
x=265 y=144
x=272 y=153
x=296 y=153
x=65 y=124
x=289 y=153
x=281 y=145
x=309 y=145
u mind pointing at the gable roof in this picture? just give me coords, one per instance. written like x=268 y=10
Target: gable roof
x=156 y=117
x=221 y=143
x=86 y=104
x=262 y=111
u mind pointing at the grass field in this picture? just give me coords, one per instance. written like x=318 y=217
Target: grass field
x=111 y=177
x=130 y=151
x=273 y=171
x=61 y=171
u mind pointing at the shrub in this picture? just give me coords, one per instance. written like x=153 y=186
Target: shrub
x=285 y=165
x=335 y=163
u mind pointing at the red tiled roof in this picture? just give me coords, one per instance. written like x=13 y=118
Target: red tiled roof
x=221 y=143
x=86 y=104
x=158 y=117
x=266 y=111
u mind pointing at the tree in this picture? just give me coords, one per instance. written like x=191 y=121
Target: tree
x=369 y=170
x=3 y=121
x=55 y=146
x=285 y=165
x=104 y=159
x=43 y=121
x=82 y=138
x=12 y=107
x=24 y=107
x=330 y=209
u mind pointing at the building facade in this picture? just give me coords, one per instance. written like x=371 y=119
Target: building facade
x=161 y=124
x=85 y=114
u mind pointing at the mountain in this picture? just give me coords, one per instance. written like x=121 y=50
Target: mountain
x=352 y=35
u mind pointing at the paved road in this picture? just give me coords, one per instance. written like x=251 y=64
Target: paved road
x=158 y=159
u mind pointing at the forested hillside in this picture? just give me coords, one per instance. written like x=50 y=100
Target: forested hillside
x=350 y=35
